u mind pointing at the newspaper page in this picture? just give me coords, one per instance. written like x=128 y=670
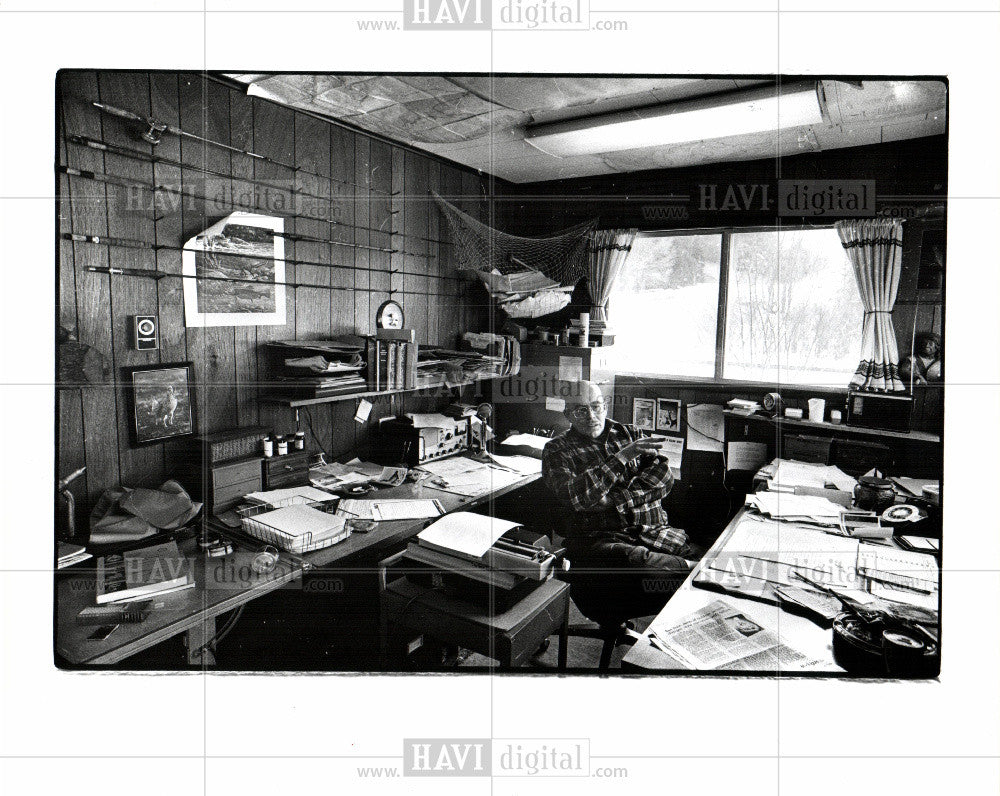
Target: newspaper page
x=719 y=636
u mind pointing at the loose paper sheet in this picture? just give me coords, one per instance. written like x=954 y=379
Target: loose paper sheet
x=454 y=466
x=570 y=368
x=529 y=440
x=431 y=420
x=292 y=496
x=525 y=465
x=704 y=428
x=555 y=404
x=364 y=410
x=384 y=510
x=746 y=456
x=673 y=449
x=462 y=532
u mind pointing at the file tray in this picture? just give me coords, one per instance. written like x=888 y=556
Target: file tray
x=316 y=531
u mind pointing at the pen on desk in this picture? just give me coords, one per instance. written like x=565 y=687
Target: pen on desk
x=655 y=641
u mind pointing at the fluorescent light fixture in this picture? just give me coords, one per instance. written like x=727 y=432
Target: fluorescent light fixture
x=745 y=112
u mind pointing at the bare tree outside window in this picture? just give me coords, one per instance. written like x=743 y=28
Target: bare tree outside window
x=793 y=314
x=793 y=311
x=663 y=307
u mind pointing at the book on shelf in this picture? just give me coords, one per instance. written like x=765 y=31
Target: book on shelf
x=392 y=363
x=392 y=354
x=399 y=381
x=410 y=371
x=140 y=573
x=400 y=335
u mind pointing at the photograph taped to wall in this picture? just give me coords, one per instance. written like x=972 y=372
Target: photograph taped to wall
x=668 y=414
x=644 y=413
x=238 y=270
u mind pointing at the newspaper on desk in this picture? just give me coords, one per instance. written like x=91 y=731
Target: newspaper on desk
x=462 y=476
x=337 y=475
x=719 y=636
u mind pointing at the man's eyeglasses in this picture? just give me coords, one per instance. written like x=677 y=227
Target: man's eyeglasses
x=583 y=411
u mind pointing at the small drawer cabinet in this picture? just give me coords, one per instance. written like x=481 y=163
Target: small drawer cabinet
x=229 y=481
x=291 y=469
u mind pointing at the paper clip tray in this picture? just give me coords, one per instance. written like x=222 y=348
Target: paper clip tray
x=293 y=543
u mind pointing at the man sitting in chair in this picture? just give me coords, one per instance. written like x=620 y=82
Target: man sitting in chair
x=614 y=480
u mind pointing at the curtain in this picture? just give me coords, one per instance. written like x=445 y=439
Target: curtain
x=607 y=253
x=875 y=249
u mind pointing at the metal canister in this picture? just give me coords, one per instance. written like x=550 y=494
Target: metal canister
x=874 y=494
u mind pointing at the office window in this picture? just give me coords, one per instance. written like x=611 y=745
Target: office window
x=793 y=311
x=791 y=307
x=663 y=306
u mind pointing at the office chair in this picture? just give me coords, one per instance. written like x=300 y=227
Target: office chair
x=606 y=599
x=609 y=599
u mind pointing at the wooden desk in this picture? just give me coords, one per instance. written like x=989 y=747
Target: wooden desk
x=388 y=537
x=916 y=453
x=511 y=637
x=797 y=632
x=221 y=584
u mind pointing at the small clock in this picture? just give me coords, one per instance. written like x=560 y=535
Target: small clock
x=389 y=315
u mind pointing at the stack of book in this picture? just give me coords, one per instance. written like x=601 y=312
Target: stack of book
x=69 y=554
x=392 y=356
x=600 y=333
x=319 y=368
x=151 y=571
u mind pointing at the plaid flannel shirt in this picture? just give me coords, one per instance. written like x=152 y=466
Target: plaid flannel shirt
x=615 y=499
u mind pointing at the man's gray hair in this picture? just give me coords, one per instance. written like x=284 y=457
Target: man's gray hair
x=578 y=391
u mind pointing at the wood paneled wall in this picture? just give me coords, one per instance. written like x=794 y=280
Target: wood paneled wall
x=368 y=188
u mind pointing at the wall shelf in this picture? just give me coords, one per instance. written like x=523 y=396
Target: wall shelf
x=838 y=429
x=295 y=403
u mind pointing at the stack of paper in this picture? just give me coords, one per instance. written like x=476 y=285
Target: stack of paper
x=292 y=496
x=533 y=441
x=916 y=571
x=765 y=550
x=789 y=473
x=337 y=475
x=798 y=508
x=523 y=465
x=298 y=529
x=70 y=554
x=463 y=533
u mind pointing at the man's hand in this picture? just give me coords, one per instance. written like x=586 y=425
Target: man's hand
x=643 y=445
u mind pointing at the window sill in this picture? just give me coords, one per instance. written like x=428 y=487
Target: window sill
x=730 y=384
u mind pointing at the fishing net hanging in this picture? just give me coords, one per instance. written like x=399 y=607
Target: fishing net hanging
x=562 y=258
